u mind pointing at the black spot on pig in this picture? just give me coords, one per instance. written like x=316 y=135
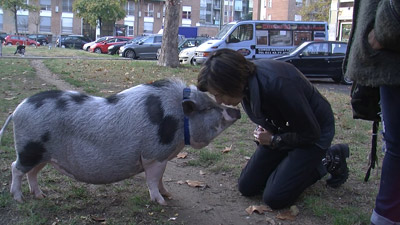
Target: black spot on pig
x=45 y=137
x=159 y=83
x=79 y=98
x=32 y=154
x=154 y=109
x=61 y=104
x=113 y=99
x=167 y=129
x=39 y=99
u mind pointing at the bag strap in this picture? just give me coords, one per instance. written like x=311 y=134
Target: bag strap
x=373 y=158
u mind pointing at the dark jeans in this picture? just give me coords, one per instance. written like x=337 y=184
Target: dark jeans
x=281 y=175
x=387 y=205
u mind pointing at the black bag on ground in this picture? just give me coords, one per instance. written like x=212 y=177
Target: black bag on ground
x=365 y=105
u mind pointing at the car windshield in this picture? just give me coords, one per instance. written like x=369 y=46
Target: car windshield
x=298 y=48
x=223 y=31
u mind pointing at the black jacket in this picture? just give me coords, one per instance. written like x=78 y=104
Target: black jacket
x=282 y=100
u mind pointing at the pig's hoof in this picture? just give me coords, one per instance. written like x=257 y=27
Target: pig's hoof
x=40 y=195
x=166 y=195
x=18 y=198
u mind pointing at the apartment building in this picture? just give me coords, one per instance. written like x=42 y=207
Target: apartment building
x=56 y=18
x=277 y=10
x=340 y=20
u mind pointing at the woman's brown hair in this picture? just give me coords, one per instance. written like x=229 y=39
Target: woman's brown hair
x=225 y=71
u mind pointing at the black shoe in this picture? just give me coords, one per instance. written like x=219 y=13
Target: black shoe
x=336 y=165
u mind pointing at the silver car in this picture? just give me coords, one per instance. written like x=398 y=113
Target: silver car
x=145 y=48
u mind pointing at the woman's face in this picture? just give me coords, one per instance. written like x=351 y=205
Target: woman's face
x=225 y=99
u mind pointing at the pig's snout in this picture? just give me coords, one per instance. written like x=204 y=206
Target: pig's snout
x=233 y=113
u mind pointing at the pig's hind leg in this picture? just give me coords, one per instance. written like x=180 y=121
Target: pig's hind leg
x=32 y=180
x=16 y=182
x=154 y=171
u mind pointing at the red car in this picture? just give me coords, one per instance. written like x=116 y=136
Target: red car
x=21 y=40
x=102 y=47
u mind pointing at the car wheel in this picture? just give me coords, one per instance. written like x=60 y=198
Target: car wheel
x=97 y=50
x=130 y=54
x=192 y=62
x=32 y=45
x=9 y=44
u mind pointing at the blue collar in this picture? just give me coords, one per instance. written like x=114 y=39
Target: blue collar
x=186 y=95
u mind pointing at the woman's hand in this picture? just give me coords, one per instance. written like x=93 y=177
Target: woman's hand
x=373 y=42
x=263 y=136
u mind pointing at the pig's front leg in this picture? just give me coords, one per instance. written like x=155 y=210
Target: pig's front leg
x=154 y=171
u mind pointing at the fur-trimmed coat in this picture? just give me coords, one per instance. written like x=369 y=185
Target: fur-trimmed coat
x=363 y=64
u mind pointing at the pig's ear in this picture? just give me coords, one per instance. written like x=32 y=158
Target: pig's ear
x=188 y=106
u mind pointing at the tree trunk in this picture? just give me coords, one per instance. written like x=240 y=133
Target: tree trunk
x=169 y=47
x=15 y=19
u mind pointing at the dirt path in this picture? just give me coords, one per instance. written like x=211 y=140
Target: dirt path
x=217 y=203
x=46 y=75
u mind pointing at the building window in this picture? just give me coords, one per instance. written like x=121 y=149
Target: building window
x=45 y=24
x=66 y=25
x=269 y=3
x=130 y=8
x=148 y=27
x=45 y=5
x=149 y=10
x=186 y=12
x=269 y=17
x=67 y=5
x=22 y=23
x=130 y=31
x=299 y=3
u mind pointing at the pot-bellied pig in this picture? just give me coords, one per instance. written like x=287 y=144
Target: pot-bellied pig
x=103 y=140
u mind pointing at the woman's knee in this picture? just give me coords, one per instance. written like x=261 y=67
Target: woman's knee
x=277 y=200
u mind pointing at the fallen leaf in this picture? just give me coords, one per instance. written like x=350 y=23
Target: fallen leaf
x=98 y=219
x=294 y=210
x=202 y=173
x=182 y=155
x=227 y=149
x=180 y=182
x=194 y=183
x=289 y=214
x=11 y=98
x=247 y=158
x=260 y=209
x=172 y=219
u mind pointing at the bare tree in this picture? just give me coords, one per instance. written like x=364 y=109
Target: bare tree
x=169 y=47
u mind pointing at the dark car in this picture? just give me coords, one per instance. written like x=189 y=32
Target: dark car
x=319 y=59
x=145 y=48
x=42 y=39
x=114 y=49
x=72 y=41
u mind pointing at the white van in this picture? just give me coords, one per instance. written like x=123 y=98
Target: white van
x=262 y=38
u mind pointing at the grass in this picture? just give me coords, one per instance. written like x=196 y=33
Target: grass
x=70 y=202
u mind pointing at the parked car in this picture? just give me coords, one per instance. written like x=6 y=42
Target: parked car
x=102 y=47
x=319 y=59
x=20 y=40
x=42 y=39
x=145 y=48
x=72 y=41
x=87 y=45
x=114 y=49
x=186 y=56
x=191 y=42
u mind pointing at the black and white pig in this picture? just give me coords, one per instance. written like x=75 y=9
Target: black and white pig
x=104 y=140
